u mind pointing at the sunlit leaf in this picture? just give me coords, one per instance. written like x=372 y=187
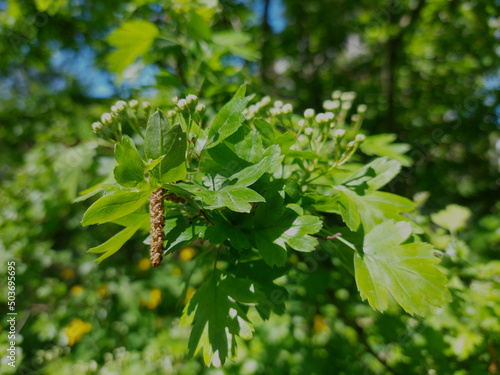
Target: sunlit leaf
x=132 y=38
x=217 y=318
x=385 y=265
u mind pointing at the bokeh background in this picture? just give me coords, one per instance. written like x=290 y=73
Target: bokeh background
x=429 y=72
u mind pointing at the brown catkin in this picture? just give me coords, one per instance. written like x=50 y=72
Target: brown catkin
x=157 y=217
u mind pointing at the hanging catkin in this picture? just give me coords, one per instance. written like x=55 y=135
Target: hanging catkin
x=157 y=217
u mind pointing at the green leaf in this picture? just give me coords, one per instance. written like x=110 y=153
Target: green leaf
x=167 y=79
x=236 y=198
x=228 y=120
x=243 y=291
x=227 y=38
x=285 y=141
x=167 y=141
x=381 y=145
x=241 y=92
x=237 y=171
x=384 y=265
x=453 y=217
x=293 y=192
x=265 y=129
x=349 y=210
x=278 y=225
x=374 y=175
x=223 y=230
x=198 y=26
x=132 y=219
x=93 y=190
x=372 y=208
x=116 y=242
x=236 y=43
x=112 y=207
x=180 y=231
x=301 y=154
x=130 y=168
x=217 y=319
x=153 y=163
x=324 y=203
x=269 y=161
x=249 y=52
x=132 y=38
x=155 y=139
x=259 y=272
x=250 y=148
x=52 y=7
x=173 y=166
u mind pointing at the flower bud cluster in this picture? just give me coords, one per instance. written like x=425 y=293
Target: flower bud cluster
x=280 y=109
x=188 y=105
x=257 y=109
x=110 y=125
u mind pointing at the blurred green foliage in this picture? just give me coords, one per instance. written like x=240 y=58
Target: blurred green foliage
x=428 y=71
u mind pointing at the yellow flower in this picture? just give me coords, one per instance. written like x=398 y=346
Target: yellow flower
x=176 y=271
x=319 y=324
x=76 y=291
x=189 y=294
x=76 y=329
x=144 y=264
x=67 y=273
x=154 y=299
x=187 y=253
x=102 y=291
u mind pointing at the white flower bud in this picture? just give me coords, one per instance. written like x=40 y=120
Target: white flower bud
x=175 y=99
x=329 y=116
x=146 y=106
x=309 y=113
x=106 y=119
x=275 y=111
x=182 y=105
x=287 y=109
x=191 y=98
x=361 y=108
x=330 y=105
x=192 y=101
x=120 y=106
x=278 y=104
x=360 y=138
x=354 y=118
x=321 y=118
x=97 y=127
x=339 y=133
x=336 y=94
x=348 y=96
x=200 y=109
x=266 y=100
x=308 y=131
x=346 y=106
x=114 y=108
x=171 y=114
x=133 y=104
x=302 y=122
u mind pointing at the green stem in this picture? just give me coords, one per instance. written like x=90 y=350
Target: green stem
x=345 y=158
